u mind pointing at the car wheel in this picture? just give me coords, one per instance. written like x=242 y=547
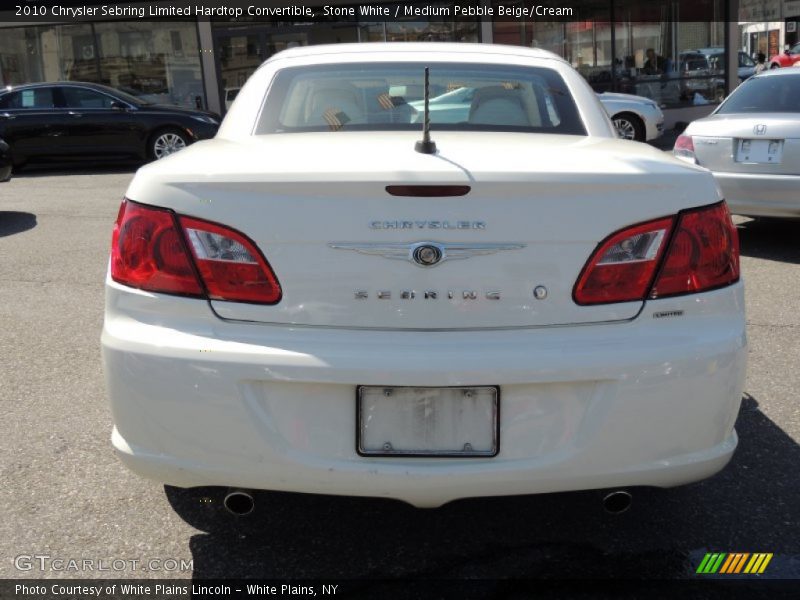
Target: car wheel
x=774 y=66
x=166 y=142
x=629 y=127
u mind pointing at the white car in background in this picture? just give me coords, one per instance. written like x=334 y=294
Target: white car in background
x=521 y=303
x=635 y=117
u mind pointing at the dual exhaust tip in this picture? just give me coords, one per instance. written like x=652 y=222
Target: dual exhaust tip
x=242 y=503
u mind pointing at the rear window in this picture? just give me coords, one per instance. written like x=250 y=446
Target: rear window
x=390 y=96
x=771 y=94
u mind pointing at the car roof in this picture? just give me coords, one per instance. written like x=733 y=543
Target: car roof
x=788 y=72
x=481 y=52
x=41 y=84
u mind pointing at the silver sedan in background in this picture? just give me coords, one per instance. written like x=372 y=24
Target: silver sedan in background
x=752 y=145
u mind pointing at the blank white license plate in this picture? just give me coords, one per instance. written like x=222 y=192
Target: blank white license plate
x=415 y=421
x=759 y=151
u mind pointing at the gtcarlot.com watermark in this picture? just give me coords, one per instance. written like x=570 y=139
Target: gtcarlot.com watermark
x=45 y=562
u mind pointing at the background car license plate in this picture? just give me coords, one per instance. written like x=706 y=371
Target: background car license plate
x=759 y=151
x=414 y=421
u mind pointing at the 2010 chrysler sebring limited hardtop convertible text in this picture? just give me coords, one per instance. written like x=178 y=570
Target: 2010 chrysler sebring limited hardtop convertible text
x=322 y=300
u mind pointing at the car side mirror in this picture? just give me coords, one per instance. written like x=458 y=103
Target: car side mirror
x=115 y=105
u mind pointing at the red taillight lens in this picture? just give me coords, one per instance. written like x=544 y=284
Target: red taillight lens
x=661 y=258
x=623 y=267
x=148 y=252
x=684 y=149
x=152 y=249
x=230 y=265
x=703 y=253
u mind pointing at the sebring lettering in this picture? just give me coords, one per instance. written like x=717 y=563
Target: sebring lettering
x=480 y=225
x=429 y=295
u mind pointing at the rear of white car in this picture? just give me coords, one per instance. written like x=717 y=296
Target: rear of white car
x=333 y=312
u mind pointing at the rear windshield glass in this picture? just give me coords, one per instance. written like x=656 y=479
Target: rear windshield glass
x=777 y=93
x=390 y=96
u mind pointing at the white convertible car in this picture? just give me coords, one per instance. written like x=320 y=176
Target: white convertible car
x=326 y=299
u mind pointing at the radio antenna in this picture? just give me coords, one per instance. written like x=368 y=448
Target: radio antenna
x=425 y=145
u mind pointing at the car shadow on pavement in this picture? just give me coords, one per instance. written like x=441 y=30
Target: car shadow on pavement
x=12 y=222
x=771 y=239
x=751 y=506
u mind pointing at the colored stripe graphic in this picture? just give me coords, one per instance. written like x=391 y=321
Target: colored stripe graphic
x=734 y=563
x=739 y=562
x=711 y=563
x=758 y=563
x=727 y=564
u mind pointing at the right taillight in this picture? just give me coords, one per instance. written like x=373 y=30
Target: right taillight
x=156 y=250
x=694 y=252
x=684 y=149
x=702 y=255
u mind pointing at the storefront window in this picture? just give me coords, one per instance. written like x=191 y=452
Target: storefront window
x=240 y=49
x=159 y=62
x=663 y=55
x=672 y=51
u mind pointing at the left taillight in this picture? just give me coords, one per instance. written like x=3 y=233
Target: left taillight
x=156 y=250
x=684 y=149
x=148 y=252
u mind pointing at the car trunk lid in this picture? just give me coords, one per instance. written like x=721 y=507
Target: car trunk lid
x=318 y=208
x=718 y=142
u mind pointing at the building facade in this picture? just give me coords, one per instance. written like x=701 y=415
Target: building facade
x=768 y=26
x=681 y=53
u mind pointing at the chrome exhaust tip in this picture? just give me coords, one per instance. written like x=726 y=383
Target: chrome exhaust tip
x=617 y=502
x=239 y=502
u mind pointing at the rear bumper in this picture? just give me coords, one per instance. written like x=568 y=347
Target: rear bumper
x=199 y=401
x=761 y=195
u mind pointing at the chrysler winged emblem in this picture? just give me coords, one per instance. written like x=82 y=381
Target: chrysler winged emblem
x=425 y=254
x=760 y=130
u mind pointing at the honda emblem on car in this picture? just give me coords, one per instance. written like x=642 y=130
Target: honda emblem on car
x=424 y=254
x=760 y=130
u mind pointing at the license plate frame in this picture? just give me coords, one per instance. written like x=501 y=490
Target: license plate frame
x=392 y=452
x=759 y=152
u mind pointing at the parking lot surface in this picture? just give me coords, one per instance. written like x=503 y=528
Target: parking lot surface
x=64 y=495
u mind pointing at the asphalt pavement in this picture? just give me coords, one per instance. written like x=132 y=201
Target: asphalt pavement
x=64 y=494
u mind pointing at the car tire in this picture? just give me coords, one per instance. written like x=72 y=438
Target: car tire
x=629 y=127
x=774 y=66
x=166 y=141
